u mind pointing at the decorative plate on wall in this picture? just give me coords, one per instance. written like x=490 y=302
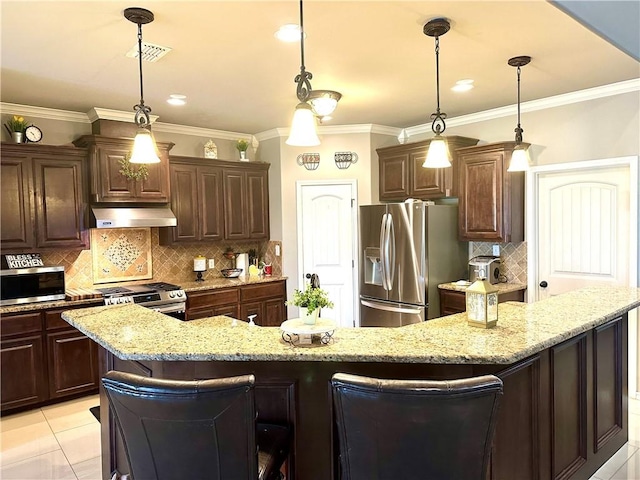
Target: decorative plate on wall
x=121 y=254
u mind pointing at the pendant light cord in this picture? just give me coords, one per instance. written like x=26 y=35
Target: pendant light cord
x=518 y=129
x=438 y=126
x=303 y=79
x=142 y=111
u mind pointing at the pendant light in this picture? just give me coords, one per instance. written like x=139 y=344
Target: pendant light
x=520 y=156
x=303 y=128
x=144 y=146
x=438 y=154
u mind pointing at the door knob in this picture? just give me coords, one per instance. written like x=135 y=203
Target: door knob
x=308 y=275
x=544 y=284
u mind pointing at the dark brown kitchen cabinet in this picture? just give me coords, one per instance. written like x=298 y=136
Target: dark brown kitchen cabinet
x=402 y=175
x=44 y=359
x=452 y=301
x=196 y=201
x=218 y=199
x=72 y=358
x=246 y=202
x=209 y=303
x=265 y=300
x=109 y=185
x=491 y=200
x=43 y=197
x=22 y=354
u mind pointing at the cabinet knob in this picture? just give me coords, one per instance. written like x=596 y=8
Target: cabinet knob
x=544 y=284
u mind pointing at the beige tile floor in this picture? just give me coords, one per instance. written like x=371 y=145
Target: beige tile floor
x=58 y=442
x=62 y=442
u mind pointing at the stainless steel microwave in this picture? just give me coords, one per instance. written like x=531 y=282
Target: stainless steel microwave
x=28 y=285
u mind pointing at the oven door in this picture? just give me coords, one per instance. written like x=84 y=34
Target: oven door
x=175 y=310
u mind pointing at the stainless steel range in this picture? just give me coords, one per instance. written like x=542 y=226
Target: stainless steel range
x=161 y=297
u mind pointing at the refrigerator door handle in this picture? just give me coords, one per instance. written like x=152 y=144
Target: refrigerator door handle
x=383 y=252
x=390 y=308
x=391 y=257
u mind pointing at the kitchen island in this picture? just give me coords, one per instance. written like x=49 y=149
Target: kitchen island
x=563 y=362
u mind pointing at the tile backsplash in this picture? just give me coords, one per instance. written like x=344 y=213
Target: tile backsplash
x=513 y=258
x=173 y=264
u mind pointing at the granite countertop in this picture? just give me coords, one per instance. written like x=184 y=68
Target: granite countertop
x=502 y=287
x=132 y=332
x=208 y=284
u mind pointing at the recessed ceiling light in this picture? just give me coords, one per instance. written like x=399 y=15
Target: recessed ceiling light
x=463 y=85
x=176 y=99
x=289 y=33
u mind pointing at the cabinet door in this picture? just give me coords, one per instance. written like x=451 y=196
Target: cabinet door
x=491 y=202
x=155 y=188
x=258 y=205
x=253 y=308
x=394 y=175
x=73 y=363
x=451 y=302
x=24 y=380
x=16 y=198
x=112 y=185
x=211 y=214
x=274 y=311
x=426 y=182
x=480 y=205
x=235 y=205
x=184 y=203
x=60 y=202
x=195 y=313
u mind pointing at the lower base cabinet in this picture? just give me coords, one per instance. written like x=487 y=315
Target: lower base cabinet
x=452 y=301
x=264 y=300
x=44 y=359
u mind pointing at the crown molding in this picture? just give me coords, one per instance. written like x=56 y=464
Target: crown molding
x=97 y=113
x=46 y=113
x=201 y=132
x=94 y=114
x=594 y=93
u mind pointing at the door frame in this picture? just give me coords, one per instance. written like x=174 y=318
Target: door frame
x=531 y=236
x=353 y=183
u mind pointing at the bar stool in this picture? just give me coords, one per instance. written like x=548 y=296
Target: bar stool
x=415 y=429
x=176 y=430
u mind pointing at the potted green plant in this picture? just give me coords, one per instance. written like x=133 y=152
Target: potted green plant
x=242 y=146
x=310 y=301
x=16 y=126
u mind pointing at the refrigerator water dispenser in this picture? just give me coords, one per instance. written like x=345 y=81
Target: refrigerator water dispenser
x=372 y=266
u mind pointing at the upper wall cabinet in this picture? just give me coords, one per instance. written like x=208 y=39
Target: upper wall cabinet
x=217 y=199
x=108 y=184
x=43 y=197
x=491 y=200
x=402 y=175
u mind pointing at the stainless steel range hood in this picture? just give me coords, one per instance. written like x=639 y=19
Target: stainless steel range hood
x=131 y=217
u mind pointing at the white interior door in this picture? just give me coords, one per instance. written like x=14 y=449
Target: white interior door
x=583 y=229
x=582 y=225
x=326 y=243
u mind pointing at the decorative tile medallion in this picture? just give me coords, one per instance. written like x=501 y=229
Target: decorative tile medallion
x=121 y=254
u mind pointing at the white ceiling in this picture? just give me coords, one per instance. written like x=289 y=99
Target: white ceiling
x=238 y=77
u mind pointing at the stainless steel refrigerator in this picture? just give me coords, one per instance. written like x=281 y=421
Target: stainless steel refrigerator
x=406 y=250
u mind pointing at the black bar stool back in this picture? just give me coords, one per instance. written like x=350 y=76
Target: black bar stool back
x=176 y=430
x=415 y=429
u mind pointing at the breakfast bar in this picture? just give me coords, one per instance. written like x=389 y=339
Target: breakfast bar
x=563 y=362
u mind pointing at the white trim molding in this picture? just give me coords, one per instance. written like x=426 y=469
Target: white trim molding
x=46 y=113
x=534 y=105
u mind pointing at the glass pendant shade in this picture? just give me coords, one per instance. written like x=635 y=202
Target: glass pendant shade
x=324 y=102
x=144 y=148
x=519 y=160
x=438 y=154
x=303 y=128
